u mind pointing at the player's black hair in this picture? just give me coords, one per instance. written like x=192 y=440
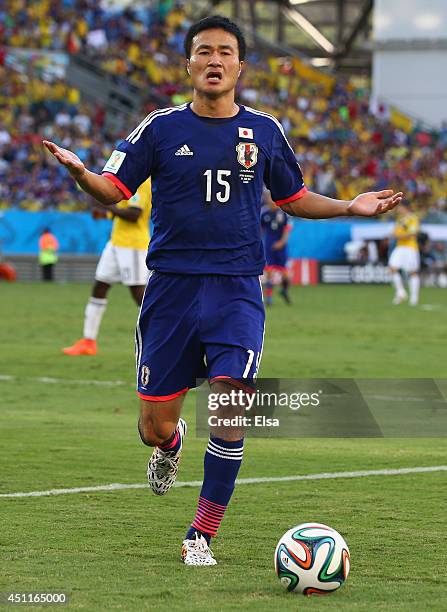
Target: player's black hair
x=215 y=22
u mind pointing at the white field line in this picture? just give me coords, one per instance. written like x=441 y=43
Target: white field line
x=240 y=481
x=118 y=383
x=430 y=307
x=57 y=381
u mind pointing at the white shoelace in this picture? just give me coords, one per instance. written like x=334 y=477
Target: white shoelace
x=200 y=545
x=164 y=465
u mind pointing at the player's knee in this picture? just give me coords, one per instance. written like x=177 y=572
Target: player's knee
x=100 y=290
x=154 y=433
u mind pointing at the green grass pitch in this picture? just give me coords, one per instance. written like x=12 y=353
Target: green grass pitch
x=120 y=550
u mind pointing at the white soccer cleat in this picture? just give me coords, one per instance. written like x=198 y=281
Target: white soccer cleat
x=399 y=298
x=163 y=465
x=197 y=552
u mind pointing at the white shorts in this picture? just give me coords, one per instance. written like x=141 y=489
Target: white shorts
x=122 y=265
x=404 y=258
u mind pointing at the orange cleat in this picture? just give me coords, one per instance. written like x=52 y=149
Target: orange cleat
x=85 y=346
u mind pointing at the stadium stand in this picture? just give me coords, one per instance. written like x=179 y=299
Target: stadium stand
x=345 y=141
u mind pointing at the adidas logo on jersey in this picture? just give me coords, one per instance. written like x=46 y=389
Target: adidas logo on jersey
x=184 y=150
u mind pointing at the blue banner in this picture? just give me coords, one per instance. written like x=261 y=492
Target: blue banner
x=79 y=233
x=324 y=240
x=76 y=232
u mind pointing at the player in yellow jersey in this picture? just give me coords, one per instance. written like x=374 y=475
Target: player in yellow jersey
x=123 y=260
x=405 y=255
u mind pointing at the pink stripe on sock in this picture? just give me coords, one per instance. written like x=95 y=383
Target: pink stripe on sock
x=209 y=516
x=210 y=504
x=215 y=515
x=200 y=523
x=173 y=443
x=200 y=516
x=205 y=528
x=210 y=528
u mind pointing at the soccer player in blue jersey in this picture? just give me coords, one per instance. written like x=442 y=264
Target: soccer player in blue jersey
x=202 y=313
x=276 y=230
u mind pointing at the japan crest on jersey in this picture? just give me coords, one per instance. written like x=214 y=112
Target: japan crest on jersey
x=247 y=154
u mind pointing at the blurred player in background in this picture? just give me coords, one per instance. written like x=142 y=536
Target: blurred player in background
x=123 y=260
x=202 y=314
x=276 y=231
x=405 y=255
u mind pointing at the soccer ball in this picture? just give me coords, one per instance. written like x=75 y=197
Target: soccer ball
x=312 y=559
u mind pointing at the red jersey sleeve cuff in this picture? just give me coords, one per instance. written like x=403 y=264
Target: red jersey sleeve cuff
x=296 y=196
x=121 y=186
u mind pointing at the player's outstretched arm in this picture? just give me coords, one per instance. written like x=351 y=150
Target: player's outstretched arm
x=96 y=185
x=315 y=206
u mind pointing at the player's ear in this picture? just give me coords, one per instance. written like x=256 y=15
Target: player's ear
x=188 y=68
x=241 y=65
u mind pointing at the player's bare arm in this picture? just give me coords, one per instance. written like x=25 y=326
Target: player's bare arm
x=280 y=244
x=132 y=213
x=315 y=206
x=103 y=190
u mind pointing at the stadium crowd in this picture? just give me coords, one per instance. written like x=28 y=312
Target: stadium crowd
x=345 y=142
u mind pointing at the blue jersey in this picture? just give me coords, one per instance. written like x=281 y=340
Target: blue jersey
x=273 y=222
x=207 y=181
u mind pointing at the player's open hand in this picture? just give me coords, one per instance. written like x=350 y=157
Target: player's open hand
x=375 y=203
x=68 y=159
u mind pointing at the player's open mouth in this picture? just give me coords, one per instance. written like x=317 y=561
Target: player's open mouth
x=214 y=77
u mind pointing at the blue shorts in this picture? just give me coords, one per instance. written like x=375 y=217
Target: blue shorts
x=193 y=327
x=276 y=259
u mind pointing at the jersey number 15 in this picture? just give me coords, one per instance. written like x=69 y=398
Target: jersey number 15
x=223 y=195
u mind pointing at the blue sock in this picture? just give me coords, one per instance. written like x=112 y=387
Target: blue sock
x=221 y=466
